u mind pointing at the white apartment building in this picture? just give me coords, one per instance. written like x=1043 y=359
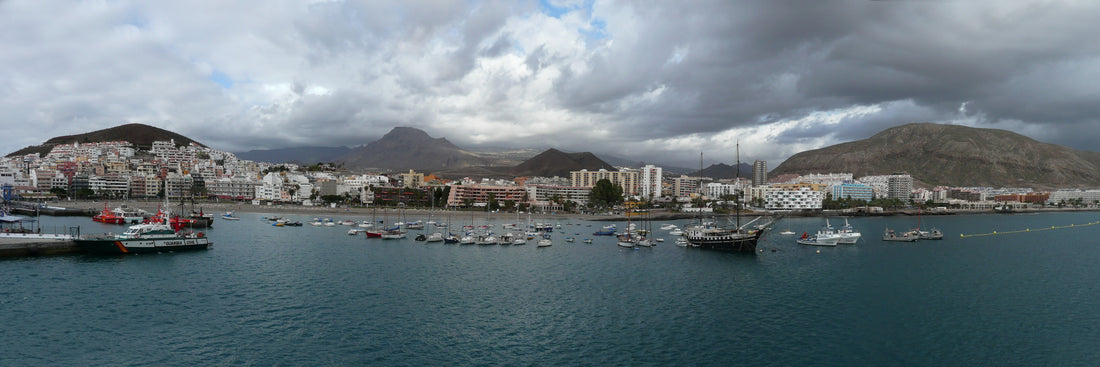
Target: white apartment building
x=649 y=184
x=803 y=198
x=545 y=193
x=715 y=190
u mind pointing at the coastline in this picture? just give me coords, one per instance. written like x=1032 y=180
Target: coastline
x=218 y=208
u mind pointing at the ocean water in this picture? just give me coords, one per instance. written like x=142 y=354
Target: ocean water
x=266 y=296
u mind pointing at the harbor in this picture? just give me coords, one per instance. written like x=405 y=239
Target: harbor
x=315 y=295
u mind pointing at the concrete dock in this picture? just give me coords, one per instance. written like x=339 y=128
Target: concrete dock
x=33 y=244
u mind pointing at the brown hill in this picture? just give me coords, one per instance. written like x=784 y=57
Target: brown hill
x=141 y=135
x=409 y=148
x=554 y=162
x=955 y=156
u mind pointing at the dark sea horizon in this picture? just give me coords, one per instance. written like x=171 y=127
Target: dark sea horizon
x=267 y=295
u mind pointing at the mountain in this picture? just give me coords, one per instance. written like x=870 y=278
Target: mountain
x=554 y=162
x=954 y=155
x=140 y=135
x=304 y=155
x=724 y=171
x=626 y=162
x=409 y=148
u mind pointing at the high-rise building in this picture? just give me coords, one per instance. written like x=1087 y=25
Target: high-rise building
x=628 y=180
x=899 y=186
x=650 y=182
x=759 y=172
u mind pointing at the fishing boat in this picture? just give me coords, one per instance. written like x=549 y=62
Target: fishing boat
x=931 y=234
x=144 y=238
x=806 y=239
x=890 y=235
x=848 y=235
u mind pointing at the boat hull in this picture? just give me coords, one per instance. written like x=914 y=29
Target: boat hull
x=733 y=242
x=139 y=246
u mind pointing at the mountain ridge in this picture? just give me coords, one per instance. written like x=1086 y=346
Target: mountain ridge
x=140 y=135
x=953 y=155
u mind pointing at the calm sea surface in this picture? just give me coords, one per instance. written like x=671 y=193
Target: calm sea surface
x=265 y=296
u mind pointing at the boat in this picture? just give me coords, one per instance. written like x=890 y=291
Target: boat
x=230 y=216
x=435 y=237
x=486 y=238
x=848 y=235
x=353 y=232
x=604 y=232
x=681 y=243
x=931 y=234
x=569 y=239
x=450 y=238
x=108 y=216
x=736 y=238
x=420 y=237
x=392 y=234
x=676 y=232
x=806 y=239
x=544 y=242
x=890 y=235
x=144 y=238
x=587 y=240
x=788 y=230
x=130 y=215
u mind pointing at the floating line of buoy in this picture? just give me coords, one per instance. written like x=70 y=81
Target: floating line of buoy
x=1029 y=230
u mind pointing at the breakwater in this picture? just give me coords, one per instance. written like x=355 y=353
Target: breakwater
x=32 y=244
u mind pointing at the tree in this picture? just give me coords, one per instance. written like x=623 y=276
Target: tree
x=605 y=194
x=60 y=192
x=493 y=203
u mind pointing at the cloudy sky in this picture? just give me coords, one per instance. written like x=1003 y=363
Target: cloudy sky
x=656 y=81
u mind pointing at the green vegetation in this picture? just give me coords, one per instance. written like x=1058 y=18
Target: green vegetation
x=605 y=195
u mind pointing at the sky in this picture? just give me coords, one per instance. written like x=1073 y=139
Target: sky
x=653 y=81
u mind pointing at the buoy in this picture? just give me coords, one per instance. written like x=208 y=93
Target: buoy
x=819 y=251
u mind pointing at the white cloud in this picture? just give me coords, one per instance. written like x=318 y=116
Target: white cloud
x=655 y=82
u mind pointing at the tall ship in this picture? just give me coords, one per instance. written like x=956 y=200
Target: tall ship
x=736 y=238
x=725 y=239
x=144 y=238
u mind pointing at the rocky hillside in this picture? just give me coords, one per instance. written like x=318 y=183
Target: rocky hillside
x=406 y=148
x=954 y=155
x=554 y=162
x=140 y=135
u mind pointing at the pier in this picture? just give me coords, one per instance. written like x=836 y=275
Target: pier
x=33 y=244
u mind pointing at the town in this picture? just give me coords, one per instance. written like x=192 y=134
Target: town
x=122 y=171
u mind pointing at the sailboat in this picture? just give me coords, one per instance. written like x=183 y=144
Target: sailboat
x=931 y=234
x=788 y=230
x=727 y=239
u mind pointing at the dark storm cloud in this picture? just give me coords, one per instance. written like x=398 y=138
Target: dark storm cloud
x=660 y=80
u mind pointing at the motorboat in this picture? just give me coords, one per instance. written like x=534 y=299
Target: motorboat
x=806 y=239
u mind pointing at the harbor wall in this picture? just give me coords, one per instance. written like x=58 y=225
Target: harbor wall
x=11 y=246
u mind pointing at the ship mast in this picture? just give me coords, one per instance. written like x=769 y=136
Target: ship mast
x=736 y=183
